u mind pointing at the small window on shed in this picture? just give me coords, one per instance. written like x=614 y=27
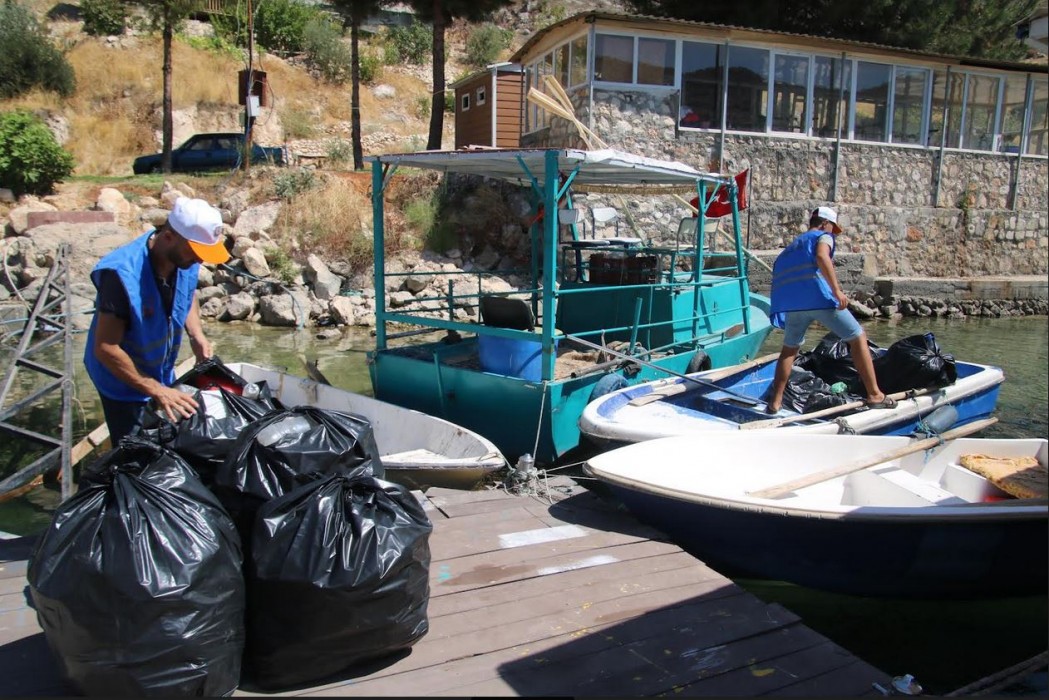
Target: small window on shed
x=480 y=96
x=465 y=103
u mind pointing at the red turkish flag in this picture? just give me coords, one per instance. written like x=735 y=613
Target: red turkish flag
x=721 y=205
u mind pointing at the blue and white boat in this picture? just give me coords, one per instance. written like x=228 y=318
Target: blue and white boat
x=872 y=515
x=678 y=305
x=732 y=399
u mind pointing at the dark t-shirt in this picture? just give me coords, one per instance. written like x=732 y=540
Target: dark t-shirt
x=112 y=297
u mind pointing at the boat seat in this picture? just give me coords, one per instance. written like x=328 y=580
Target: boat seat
x=507 y=312
x=895 y=487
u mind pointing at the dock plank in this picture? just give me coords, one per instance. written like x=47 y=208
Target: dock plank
x=544 y=596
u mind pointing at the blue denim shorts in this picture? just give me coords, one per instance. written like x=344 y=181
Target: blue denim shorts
x=840 y=321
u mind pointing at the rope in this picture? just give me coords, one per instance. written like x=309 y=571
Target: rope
x=539 y=423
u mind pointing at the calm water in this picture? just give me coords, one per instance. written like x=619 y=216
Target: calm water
x=945 y=645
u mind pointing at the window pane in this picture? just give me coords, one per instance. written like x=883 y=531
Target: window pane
x=1012 y=116
x=701 y=69
x=908 y=105
x=578 y=72
x=827 y=98
x=939 y=95
x=788 y=93
x=981 y=104
x=655 y=62
x=614 y=58
x=954 y=104
x=1038 y=136
x=561 y=62
x=872 y=101
x=748 y=80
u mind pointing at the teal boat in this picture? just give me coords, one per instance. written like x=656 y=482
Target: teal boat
x=521 y=375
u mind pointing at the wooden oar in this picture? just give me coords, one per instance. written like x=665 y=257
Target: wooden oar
x=864 y=463
x=650 y=365
x=833 y=410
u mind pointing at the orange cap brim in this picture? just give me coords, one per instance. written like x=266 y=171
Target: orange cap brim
x=215 y=254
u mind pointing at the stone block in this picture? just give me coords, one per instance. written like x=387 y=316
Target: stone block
x=41 y=218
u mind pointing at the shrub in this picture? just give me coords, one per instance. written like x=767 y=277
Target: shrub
x=28 y=59
x=289 y=183
x=414 y=43
x=103 y=17
x=331 y=220
x=31 y=161
x=326 y=52
x=280 y=25
x=370 y=65
x=340 y=151
x=485 y=44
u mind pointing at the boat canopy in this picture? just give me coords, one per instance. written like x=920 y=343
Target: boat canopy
x=605 y=170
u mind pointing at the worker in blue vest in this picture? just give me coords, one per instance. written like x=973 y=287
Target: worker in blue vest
x=805 y=289
x=146 y=300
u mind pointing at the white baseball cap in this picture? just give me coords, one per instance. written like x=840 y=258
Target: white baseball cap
x=829 y=215
x=201 y=225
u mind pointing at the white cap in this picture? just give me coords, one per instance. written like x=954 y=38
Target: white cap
x=200 y=224
x=830 y=215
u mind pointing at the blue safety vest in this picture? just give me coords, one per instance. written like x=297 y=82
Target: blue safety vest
x=797 y=284
x=151 y=338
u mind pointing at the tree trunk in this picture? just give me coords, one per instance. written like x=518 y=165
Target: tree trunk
x=355 y=94
x=433 y=143
x=167 y=127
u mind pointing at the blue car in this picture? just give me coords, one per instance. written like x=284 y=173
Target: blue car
x=209 y=152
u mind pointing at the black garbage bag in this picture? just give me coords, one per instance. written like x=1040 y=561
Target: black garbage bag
x=137 y=582
x=205 y=438
x=213 y=373
x=339 y=575
x=805 y=392
x=831 y=361
x=914 y=362
x=289 y=447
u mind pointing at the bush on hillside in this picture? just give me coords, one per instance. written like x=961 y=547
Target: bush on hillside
x=412 y=44
x=31 y=161
x=485 y=44
x=280 y=25
x=28 y=59
x=326 y=52
x=104 y=17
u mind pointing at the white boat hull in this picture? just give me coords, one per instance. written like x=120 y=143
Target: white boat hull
x=918 y=526
x=416 y=449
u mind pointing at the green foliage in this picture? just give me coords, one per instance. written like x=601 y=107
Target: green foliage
x=103 y=17
x=281 y=265
x=326 y=52
x=983 y=28
x=215 y=44
x=288 y=183
x=280 y=25
x=28 y=59
x=549 y=13
x=340 y=152
x=485 y=44
x=449 y=101
x=233 y=28
x=370 y=65
x=412 y=44
x=31 y=161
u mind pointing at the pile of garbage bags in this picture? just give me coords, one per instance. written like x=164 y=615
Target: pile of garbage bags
x=826 y=376
x=251 y=543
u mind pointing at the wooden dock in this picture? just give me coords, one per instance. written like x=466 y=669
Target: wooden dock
x=562 y=594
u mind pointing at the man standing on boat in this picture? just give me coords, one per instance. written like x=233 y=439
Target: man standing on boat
x=146 y=298
x=805 y=289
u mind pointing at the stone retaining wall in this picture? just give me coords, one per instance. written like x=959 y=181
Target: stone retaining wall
x=887 y=196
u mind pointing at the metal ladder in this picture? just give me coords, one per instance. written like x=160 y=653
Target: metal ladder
x=49 y=324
